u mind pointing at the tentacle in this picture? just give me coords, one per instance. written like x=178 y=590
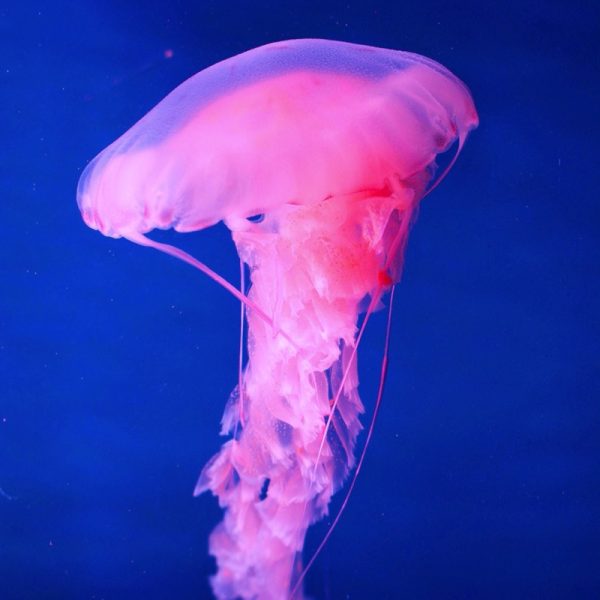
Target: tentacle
x=396 y=251
x=372 y=304
x=142 y=240
x=382 y=378
x=461 y=140
x=241 y=350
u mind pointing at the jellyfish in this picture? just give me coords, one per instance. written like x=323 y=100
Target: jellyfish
x=315 y=154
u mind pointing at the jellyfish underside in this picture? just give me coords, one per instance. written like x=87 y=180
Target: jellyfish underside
x=335 y=160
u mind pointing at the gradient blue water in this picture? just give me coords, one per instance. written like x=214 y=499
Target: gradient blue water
x=115 y=362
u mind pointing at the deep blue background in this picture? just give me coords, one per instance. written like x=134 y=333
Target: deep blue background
x=483 y=479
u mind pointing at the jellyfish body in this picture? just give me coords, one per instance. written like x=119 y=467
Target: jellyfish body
x=335 y=144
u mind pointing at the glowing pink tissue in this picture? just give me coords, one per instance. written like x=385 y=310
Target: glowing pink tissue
x=335 y=145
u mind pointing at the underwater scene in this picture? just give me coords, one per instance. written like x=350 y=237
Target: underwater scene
x=299 y=300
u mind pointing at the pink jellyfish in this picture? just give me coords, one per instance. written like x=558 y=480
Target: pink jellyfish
x=334 y=145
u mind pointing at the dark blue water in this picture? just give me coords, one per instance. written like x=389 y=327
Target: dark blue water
x=483 y=479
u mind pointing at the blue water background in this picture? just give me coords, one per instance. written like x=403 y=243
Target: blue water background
x=483 y=478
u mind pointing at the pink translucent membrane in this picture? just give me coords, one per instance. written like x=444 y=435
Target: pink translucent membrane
x=217 y=149
x=335 y=144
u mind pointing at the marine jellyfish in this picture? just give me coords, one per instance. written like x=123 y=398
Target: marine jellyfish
x=315 y=154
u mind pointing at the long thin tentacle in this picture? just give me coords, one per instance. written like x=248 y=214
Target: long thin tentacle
x=374 y=300
x=395 y=248
x=241 y=351
x=382 y=378
x=142 y=240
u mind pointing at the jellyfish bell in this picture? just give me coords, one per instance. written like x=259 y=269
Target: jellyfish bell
x=290 y=122
x=334 y=144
